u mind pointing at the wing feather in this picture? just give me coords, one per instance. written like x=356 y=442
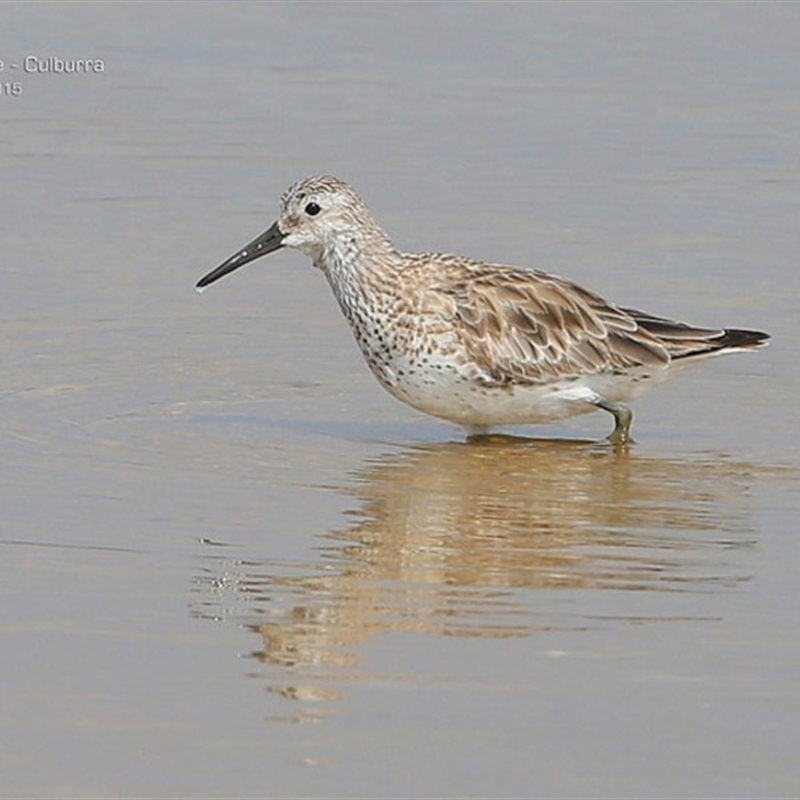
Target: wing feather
x=682 y=340
x=531 y=327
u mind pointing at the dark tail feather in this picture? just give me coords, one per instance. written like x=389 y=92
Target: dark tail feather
x=734 y=339
x=683 y=341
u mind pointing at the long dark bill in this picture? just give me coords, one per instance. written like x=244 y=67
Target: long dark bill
x=270 y=240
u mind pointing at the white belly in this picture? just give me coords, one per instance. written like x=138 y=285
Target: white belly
x=452 y=395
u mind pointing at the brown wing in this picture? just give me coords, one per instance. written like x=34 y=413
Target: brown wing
x=531 y=327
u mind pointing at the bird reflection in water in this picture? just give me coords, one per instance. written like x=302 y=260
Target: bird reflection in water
x=451 y=539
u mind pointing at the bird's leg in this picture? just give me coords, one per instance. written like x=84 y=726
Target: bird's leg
x=475 y=433
x=623 y=417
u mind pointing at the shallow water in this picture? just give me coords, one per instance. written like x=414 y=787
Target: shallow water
x=233 y=566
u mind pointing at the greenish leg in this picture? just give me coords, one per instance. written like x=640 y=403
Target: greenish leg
x=623 y=417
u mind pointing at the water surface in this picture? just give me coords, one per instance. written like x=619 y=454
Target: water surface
x=233 y=566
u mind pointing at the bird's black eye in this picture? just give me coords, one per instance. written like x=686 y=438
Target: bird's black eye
x=312 y=209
